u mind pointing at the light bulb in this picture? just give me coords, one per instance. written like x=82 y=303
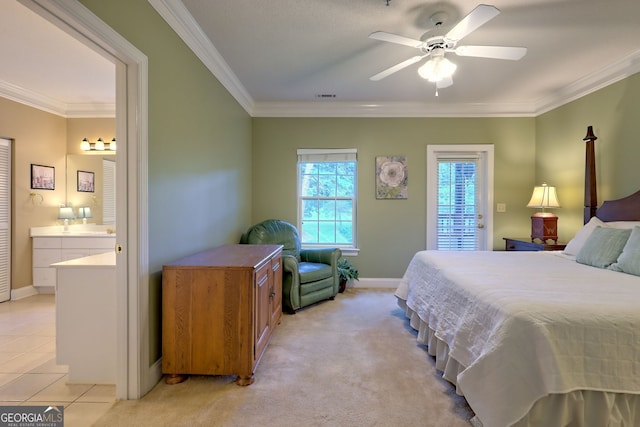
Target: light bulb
x=437 y=68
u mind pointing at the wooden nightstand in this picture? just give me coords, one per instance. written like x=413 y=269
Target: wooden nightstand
x=525 y=244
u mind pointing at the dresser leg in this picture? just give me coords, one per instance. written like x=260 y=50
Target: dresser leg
x=172 y=379
x=244 y=380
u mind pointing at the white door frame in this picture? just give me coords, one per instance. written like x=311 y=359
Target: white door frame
x=487 y=183
x=134 y=375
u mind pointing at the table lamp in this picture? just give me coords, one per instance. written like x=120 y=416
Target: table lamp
x=544 y=225
x=66 y=213
x=84 y=213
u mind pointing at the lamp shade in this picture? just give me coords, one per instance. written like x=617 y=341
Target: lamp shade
x=66 y=213
x=84 y=212
x=544 y=197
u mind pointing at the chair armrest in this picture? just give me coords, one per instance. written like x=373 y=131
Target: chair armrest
x=322 y=255
x=290 y=282
x=325 y=256
x=290 y=264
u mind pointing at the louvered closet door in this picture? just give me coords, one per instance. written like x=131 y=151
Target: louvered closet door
x=5 y=219
x=108 y=191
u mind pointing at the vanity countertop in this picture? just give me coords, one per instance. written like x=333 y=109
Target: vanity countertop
x=80 y=230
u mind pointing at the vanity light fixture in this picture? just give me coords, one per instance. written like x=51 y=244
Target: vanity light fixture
x=99 y=145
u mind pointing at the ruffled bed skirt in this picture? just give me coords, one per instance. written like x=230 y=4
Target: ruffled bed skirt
x=580 y=408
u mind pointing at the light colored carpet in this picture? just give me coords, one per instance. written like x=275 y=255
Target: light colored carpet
x=353 y=361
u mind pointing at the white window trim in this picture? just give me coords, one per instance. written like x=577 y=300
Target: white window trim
x=329 y=155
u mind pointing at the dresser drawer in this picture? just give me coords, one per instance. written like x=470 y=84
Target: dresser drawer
x=89 y=242
x=47 y=242
x=44 y=276
x=46 y=257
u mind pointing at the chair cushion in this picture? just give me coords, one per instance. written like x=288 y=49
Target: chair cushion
x=313 y=271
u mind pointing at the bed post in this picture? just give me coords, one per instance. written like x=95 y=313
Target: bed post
x=590 y=188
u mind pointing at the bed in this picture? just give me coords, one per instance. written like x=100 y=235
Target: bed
x=539 y=338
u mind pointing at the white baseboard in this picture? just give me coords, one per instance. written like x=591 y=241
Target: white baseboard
x=23 y=292
x=375 y=283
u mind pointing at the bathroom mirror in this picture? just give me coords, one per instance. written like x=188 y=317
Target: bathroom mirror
x=91 y=183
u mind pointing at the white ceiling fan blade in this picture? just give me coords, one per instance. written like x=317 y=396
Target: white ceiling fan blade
x=445 y=82
x=396 y=68
x=477 y=17
x=495 y=52
x=394 y=38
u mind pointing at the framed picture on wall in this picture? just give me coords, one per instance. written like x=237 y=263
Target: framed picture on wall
x=86 y=182
x=391 y=177
x=43 y=177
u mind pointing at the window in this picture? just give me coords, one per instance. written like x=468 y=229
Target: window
x=457 y=223
x=327 y=197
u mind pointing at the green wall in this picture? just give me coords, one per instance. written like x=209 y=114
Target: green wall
x=613 y=112
x=391 y=231
x=199 y=148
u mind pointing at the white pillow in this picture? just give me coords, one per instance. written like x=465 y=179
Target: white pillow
x=622 y=224
x=575 y=244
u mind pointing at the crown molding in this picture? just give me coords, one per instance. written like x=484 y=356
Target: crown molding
x=180 y=20
x=390 y=109
x=53 y=106
x=606 y=76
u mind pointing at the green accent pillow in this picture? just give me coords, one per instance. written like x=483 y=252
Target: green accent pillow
x=629 y=260
x=603 y=247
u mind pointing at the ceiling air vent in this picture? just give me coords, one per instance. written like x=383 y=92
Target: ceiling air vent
x=325 y=95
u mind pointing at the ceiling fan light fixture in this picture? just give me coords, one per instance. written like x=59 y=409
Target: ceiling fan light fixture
x=437 y=68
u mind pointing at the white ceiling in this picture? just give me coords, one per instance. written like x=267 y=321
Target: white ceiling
x=44 y=67
x=276 y=57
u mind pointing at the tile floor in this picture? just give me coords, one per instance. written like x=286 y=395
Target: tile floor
x=28 y=371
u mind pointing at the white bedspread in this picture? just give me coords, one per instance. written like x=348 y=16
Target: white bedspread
x=527 y=324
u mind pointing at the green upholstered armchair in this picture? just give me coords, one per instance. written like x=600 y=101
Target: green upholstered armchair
x=309 y=275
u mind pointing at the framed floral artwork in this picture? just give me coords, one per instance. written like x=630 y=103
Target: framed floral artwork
x=43 y=177
x=391 y=177
x=86 y=182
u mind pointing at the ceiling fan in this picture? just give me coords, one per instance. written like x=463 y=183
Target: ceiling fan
x=438 y=69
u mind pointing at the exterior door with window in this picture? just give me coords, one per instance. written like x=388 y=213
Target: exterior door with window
x=459 y=197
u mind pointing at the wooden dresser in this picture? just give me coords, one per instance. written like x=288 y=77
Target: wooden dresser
x=219 y=309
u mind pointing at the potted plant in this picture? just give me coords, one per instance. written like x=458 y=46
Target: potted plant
x=347 y=272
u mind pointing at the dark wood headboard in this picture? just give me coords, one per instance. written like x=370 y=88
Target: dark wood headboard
x=625 y=209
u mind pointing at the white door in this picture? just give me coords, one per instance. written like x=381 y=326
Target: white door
x=5 y=219
x=460 y=197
